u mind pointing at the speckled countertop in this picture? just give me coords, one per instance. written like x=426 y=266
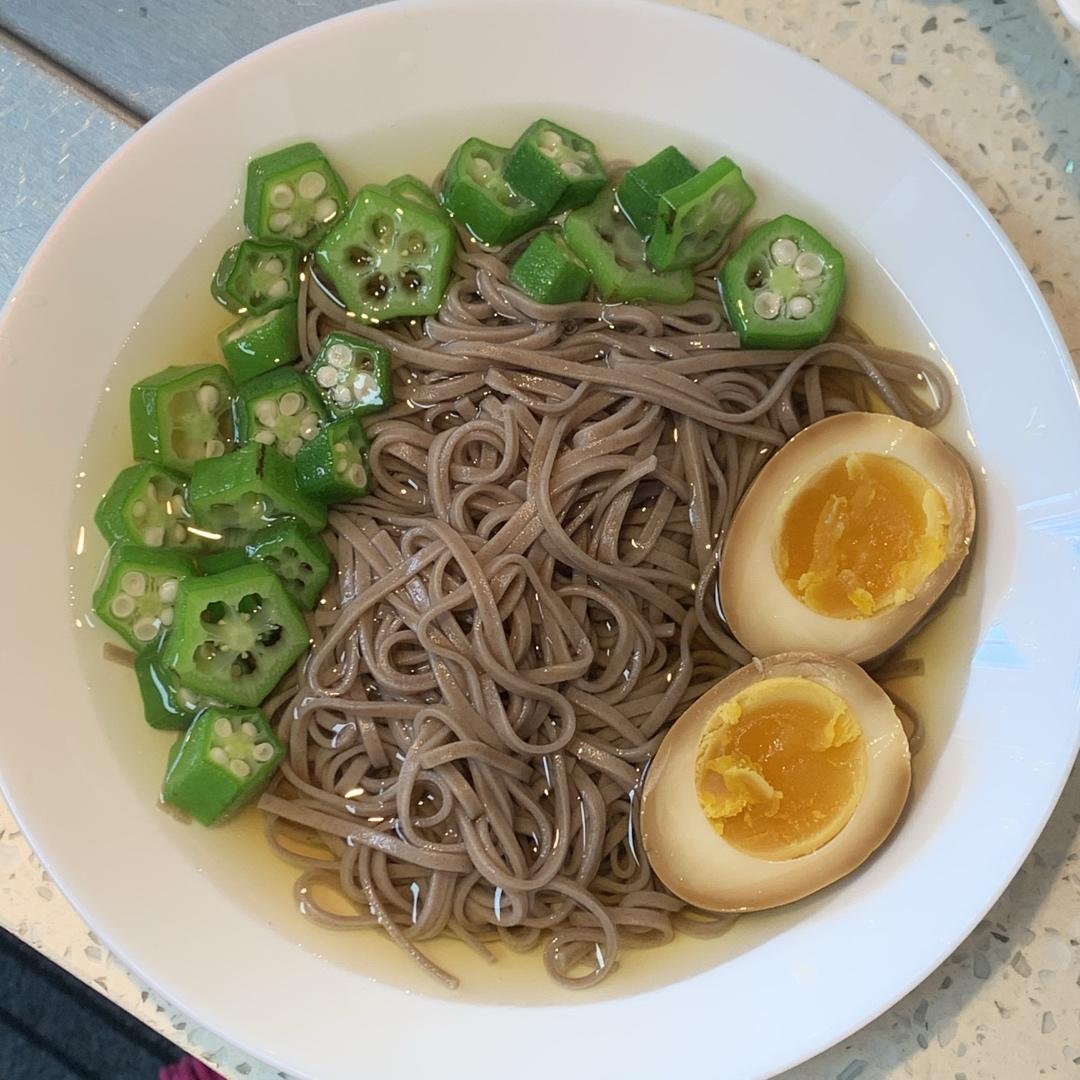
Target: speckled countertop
x=992 y=84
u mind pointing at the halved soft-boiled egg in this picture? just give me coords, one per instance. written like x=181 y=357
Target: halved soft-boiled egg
x=782 y=778
x=846 y=539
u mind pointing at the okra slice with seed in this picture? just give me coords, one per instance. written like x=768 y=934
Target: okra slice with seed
x=293 y=193
x=550 y=272
x=147 y=505
x=183 y=415
x=254 y=277
x=556 y=168
x=168 y=705
x=694 y=219
x=333 y=467
x=639 y=192
x=297 y=555
x=222 y=762
x=217 y=562
x=235 y=634
x=235 y=496
x=389 y=257
x=281 y=408
x=614 y=251
x=354 y=375
x=137 y=596
x=258 y=343
x=409 y=187
x=475 y=191
x=783 y=285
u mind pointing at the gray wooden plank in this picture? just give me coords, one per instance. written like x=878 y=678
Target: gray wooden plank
x=53 y=137
x=146 y=53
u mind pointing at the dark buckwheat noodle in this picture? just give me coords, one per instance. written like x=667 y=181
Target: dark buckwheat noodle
x=526 y=601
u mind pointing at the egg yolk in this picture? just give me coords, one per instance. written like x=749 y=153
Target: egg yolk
x=781 y=767
x=861 y=536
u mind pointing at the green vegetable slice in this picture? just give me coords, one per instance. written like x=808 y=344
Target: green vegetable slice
x=258 y=343
x=222 y=762
x=254 y=277
x=333 y=467
x=783 y=285
x=614 y=251
x=235 y=634
x=168 y=705
x=280 y=408
x=639 y=193
x=183 y=415
x=353 y=375
x=137 y=596
x=550 y=272
x=556 y=168
x=147 y=505
x=294 y=194
x=389 y=257
x=297 y=555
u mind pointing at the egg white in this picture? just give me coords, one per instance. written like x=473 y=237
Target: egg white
x=697 y=864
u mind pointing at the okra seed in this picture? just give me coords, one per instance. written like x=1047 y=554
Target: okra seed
x=208 y=396
x=122 y=606
x=280 y=221
x=223 y=727
x=218 y=755
x=138 y=509
x=364 y=386
x=293 y=446
x=249 y=729
x=145 y=629
x=166 y=616
x=266 y=411
x=572 y=169
x=214 y=448
x=154 y=535
x=299 y=228
x=412 y=280
x=274 y=266
x=290 y=403
x=279 y=289
x=309 y=426
x=784 y=251
x=178 y=534
x=767 y=304
x=799 y=307
x=342 y=395
x=340 y=356
x=325 y=209
x=239 y=768
x=133 y=583
x=263 y=751
x=340 y=465
x=326 y=376
x=358 y=475
x=481 y=169
x=281 y=196
x=809 y=265
x=167 y=590
x=312 y=185
x=414 y=244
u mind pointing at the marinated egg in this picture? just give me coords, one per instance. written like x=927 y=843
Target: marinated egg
x=782 y=778
x=846 y=539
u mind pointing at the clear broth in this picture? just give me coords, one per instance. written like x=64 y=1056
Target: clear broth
x=181 y=326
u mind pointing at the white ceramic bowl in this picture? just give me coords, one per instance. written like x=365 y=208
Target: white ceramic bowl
x=202 y=916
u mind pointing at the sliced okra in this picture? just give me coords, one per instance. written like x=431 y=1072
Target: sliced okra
x=183 y=415
x=389 y=257
x=641 y=188
x=293 y=193
x=556 y=168
x=333 y=467
x=235 y=634
x=137 y=596
x=550 y=272
x=475 y=191
x=222 y=762
x=280 y=408
x=235 y=496
x=257 y=343
x=297 y=555
x=409 y=187
x=168 y=705
x=254 y=277
x=354 y=375
x=147 y=505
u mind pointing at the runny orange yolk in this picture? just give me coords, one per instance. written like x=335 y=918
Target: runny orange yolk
x=781 y=767
x=861 y=536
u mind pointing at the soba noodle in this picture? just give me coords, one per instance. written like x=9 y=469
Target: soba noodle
x=526 y=601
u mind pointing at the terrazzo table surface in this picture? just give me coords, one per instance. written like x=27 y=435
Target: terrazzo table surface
x=994 y=85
